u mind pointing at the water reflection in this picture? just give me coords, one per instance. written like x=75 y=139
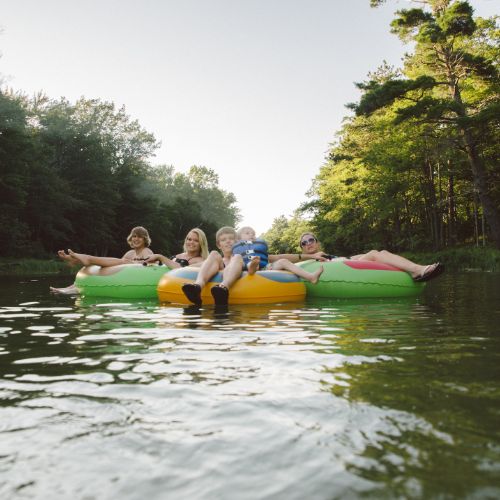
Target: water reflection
x=323 y=399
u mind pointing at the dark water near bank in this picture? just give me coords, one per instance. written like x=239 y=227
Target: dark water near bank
x=316 y=400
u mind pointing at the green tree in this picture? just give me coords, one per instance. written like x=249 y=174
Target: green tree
x=284 y=234
x=78 y=175
x=14 y=173
x=183 y=201
x=452 y=83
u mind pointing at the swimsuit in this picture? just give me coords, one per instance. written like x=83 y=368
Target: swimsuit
x=182 y=262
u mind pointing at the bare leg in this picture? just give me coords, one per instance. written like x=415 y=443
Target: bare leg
x=89 y=260
x=209 y=268
x=392 y=259
x=286 y=265
x=253 y=265
x=69 y=290
x=233 y=271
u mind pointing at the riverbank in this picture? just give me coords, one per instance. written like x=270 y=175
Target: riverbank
x=461 y=259
x=454 y=259
x=34 y=267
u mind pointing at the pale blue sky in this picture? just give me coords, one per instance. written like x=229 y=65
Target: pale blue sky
x=254 y=89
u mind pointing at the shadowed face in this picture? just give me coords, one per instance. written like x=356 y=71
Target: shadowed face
x=225 y=243
x=309 y=244
x=137 y=242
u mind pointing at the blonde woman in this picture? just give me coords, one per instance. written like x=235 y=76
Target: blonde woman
x=195 y=251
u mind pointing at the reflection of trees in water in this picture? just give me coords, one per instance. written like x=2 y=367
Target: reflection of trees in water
x=430 y=362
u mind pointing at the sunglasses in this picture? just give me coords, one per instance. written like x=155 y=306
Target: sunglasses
x=303 y=243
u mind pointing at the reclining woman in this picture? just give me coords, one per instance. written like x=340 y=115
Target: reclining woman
x=139 y=242
x=311 y=249
x=195 y=251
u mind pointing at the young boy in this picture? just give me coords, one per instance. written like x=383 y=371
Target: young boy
x=224 y=239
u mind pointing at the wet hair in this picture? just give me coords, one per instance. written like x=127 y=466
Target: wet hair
x=202 y=240
x=224 y=230
x=139 y=231
x=241 y=229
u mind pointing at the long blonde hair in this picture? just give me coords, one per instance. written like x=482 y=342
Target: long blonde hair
x=202 y=240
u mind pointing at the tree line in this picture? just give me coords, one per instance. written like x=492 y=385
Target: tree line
x=79 y=176
x=416 y=166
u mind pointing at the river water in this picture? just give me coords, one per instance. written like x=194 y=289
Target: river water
x=316 y=400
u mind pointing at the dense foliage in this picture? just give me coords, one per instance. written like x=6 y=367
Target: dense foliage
x=417 y=166
x=78 y=175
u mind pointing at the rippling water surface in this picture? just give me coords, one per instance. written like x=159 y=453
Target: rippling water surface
x=315 y=400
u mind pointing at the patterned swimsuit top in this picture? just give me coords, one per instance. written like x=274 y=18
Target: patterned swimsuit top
x=182 y=262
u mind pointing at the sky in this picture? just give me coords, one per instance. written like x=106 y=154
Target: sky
x=253 y=89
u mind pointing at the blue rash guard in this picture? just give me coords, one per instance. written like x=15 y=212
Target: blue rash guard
x=249 y=249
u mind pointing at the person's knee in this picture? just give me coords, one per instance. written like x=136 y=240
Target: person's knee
x=279 y=264
x=372 y=254
x=237 y=260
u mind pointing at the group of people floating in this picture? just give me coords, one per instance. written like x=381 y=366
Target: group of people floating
x=238 y=251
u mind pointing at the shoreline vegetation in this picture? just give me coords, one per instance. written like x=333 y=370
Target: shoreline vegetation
x=454 y=259
x=34 y=267
x=414 y=165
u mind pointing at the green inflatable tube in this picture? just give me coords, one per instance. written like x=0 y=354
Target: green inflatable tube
x=360 y=279
x=126 y=281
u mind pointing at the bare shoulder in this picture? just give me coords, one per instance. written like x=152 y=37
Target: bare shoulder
x=129 y=255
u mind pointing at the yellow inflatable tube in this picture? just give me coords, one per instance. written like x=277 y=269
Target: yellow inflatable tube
x=263 y=287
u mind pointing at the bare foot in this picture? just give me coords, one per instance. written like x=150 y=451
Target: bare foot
x=67 y=258
x=69 y=290
x=316 y=274
x=80 y=257
x=253 y=265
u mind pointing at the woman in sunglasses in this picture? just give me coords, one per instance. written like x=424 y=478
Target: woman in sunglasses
x=311 y=249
